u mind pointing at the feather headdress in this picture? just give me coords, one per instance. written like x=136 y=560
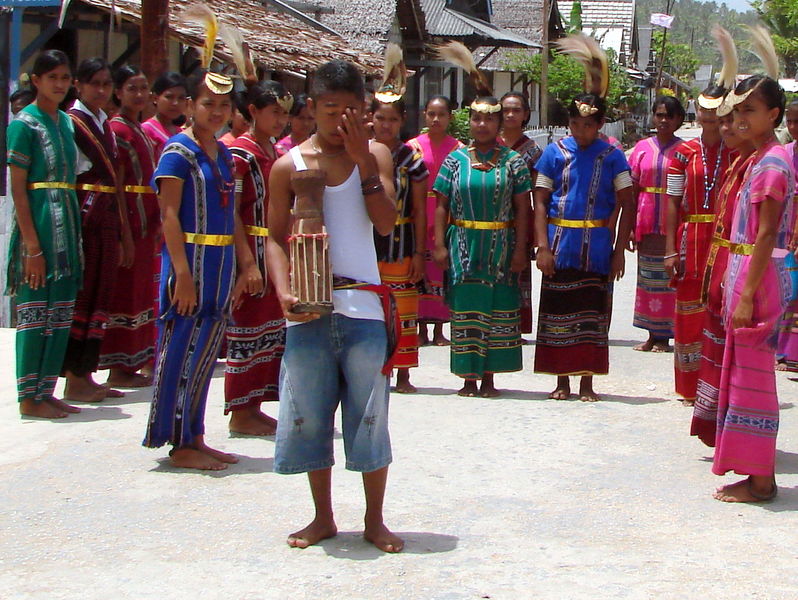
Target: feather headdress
x=728 y=72
x=762 y=45
x=239 y=49
x=593 y=59
x=200 y=13
x=457 y=54
x=394 y=76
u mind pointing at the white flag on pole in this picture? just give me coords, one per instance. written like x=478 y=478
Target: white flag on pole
x=662 y=20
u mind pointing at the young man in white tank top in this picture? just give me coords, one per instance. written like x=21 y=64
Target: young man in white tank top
x=336 y=358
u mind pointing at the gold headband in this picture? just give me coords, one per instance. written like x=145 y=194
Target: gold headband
x=387 y=95
x=709 y=103
x=218 y=83
x=726 y=107
x=286 y=102
x=585 y=109
x=484 y=107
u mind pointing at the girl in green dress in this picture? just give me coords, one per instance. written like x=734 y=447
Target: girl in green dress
x=44 y=265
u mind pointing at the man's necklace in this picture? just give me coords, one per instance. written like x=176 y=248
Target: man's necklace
x=709 y=185
x=322 y=152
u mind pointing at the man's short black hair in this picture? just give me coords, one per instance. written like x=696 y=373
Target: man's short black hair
x=338 y=76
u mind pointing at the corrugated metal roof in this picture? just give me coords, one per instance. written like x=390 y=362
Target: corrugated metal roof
x=449 y=23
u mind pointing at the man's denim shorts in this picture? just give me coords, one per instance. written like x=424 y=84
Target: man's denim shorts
x=330 y=360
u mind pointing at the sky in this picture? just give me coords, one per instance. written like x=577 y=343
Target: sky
x=740 y=5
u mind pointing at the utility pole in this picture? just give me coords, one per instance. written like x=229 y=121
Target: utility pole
x=544 y=69
x=154 y=36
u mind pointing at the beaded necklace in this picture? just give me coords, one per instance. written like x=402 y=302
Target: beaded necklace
x=709 y=185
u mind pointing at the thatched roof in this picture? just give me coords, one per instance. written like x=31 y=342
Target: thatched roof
x=277 y=41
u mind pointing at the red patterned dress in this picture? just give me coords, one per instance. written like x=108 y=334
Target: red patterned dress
x=256 y=333
x=129 y=341
x=694 y=176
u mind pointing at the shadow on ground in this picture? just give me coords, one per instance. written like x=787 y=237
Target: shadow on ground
x=351 y=545
x=87 y=414
x=247 y=465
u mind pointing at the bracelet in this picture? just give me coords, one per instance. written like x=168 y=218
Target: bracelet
x=369 y=181
x=373 y=189
x=37 y=255
x=667 y=256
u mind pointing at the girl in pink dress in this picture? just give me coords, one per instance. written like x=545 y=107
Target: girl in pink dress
x=170 y=99
x=434 y=146
x=756 y=291
x=301 y=124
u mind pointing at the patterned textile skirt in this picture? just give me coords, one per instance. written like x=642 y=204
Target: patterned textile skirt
x=395 y=276
x=655 y=301
x=748 y=406
x=485 y=329
x=705 y=411
x=525 y=287
x=100 y=267
x=186 y=355
x=129 y=341
x=43 y=320
x=255 y=345
x=573 y=324
x=432 y=305
x=687 y=336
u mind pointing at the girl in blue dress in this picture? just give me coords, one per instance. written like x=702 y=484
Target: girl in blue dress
x=195 y=186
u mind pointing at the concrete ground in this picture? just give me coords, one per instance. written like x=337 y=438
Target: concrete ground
x=516 y=497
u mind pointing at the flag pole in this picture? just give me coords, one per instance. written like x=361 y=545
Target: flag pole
x=668 y=8
x=544 y=68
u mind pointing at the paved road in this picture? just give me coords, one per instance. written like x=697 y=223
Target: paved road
x=516 y=497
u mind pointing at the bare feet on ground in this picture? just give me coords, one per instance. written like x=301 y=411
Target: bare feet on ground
x=438 y=339
x=252 y=422
x=586 y=393
x=563 y=389
x=752 y=489
x=224 y=457
x=653 y=345
x=382 y=538
x=125 y=379
x=469 y=388
x=780 y=366
x=403 y=385
x=61 y=405
x=318 y=530
x=192 y=458
x=82 y=389
x=488 y=389
x=42 y=410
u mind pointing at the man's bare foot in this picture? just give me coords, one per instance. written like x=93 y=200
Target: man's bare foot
x=586 y=393
x=81 y=394
x=224 y=457
x=125 y=379
x=780 y=366
x=318 y=530
x=403 y=385
x=42 y=410
x=61 y=405
x=247 y=422
x=383 y=539
x=563 y=389
x=469 y=388
x=751 y=490
x=192 y=458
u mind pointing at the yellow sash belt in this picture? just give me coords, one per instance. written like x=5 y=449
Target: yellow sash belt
x=52 y=185
x=205 y=239
x=578 y=224
x=139 y=189
x=744 y=249
x=92 y=187
x=403 y=220
x=256 y=231
x=699 y=218
x=654 y=190
x=482 y=224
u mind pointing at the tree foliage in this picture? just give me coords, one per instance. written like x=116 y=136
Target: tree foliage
x=680 y=59
x=567 y=78
x=781 y=17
